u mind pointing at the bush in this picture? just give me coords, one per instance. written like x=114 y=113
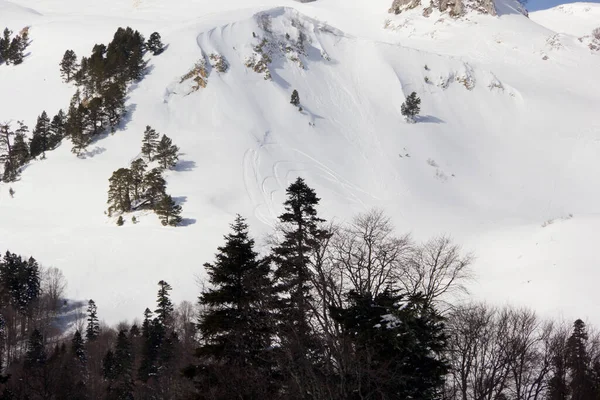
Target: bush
x=120 y=221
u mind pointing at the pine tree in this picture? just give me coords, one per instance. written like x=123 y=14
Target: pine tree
x=237 y=327
x=57 y=129
x=293 y=257
x=152 y=336
x=68 y=65
x=155 y=187
x=6 y=153
x=154 y=44
x=578 y=362
x=40 y=140
x=20 y=150
x=35 y=356
x=164 y=310
x=166 y=153
x=95 y=116
x=168 y=211
x=149 y=143
x=93 y=326
x=114 y=104
x=138 y=169
x=120 y=366
x=411 y=107
x=5 y=45
x=15 y=50
x=120 y=221
x=397 y=346
x=78 y=348
x=119 y=191
x=295 y=98
x=77 y=124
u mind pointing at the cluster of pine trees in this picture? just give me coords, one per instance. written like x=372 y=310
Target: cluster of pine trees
x=16 y=149
x=330 y=312
x=98 y=103
x=137 y=188
x=12 y=50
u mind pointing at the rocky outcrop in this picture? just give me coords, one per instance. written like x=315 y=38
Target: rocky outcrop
x=455 y=8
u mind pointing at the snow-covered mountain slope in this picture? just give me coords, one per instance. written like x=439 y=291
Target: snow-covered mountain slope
x=508 y=139
x=577 y=19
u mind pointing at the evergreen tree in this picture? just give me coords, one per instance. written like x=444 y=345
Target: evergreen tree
x=168 y=211
x=120 y=221
x=93 y=326
x=20 y=150
x=5 y=46
x=68 y=65
x=152 y=335
x=120 y=367
x=114 y=103
x=578 y=362
x=164 y=310
x=155 y=44
x=397 y=347
x=40 y=140
x=149 y=143
x=124 y=55
x=6 y=153
x=137 y=170
x=295 y=98
x=155 y=187
x=411 y=107
x=293 y=258
x=15 y=50
x=237 y=328
x=35 y=356
x=119 y=191
x=95 y=116
x=77 y=124
x=78 y=348
x=166 y=153
x=57 y=129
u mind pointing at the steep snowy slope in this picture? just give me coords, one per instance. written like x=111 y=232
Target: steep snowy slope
x=508 y=139
x=577 y=19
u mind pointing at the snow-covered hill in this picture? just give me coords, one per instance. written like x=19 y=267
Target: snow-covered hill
x=509 y=139
x=577 y=19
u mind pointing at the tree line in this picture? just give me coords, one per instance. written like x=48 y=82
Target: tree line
x=349 y=311
x=98 y=104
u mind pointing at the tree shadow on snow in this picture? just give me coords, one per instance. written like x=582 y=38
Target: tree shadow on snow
x=94 y=152
x=180 y=200
x=185 y=165
x=429 y=119
x=128 y=117
x=188 y=222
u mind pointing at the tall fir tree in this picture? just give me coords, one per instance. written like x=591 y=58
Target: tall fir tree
x=118 y=368
x=154 y=186
x=166 y=153
x=164 y=309
x=57 y=129
x=5 y=45
x=149 y=143
x=114 y=104
x=293 y=258
x=20 y=149
x=578 y=362
x=237 y=327
x=137 y=171
x=93 y=326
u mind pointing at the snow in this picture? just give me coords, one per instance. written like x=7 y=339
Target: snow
x=577 y=19
x=506 y=141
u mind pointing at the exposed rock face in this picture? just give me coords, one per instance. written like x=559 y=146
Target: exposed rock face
x=455 y=8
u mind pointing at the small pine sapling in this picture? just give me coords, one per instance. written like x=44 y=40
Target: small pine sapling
x=295 y=98
x=411 y=107
x=120 y=221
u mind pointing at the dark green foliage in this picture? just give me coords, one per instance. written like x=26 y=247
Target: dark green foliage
x=164 y=310
x=57 y=129
x=149 y=143
x=20 y=149
x=77 y=127
x=293 y=258
x=5 y=45
x=68 y=65
x=397 y=347
x=137 y=170
x=93 y=326
x=113 y=96
x=168 y=211
x=578 y=362
x=155 y=187
x=411 y=107
x=40 y=140
x=124 y=56
x=35 y=357
x=20 y=280
x=118 y=369
x=166 y=153
x=154 y=44
x=95 y=116
x=78 y=348
x=295 y=98
x=120 y=221
x=119 y=193
x=237 y=328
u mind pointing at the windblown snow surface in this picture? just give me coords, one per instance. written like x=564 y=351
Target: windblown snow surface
x=505 y=156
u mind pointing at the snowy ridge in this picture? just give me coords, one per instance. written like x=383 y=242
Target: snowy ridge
x=506 y=140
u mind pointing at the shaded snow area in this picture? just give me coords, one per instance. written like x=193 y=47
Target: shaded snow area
x=508 y=139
